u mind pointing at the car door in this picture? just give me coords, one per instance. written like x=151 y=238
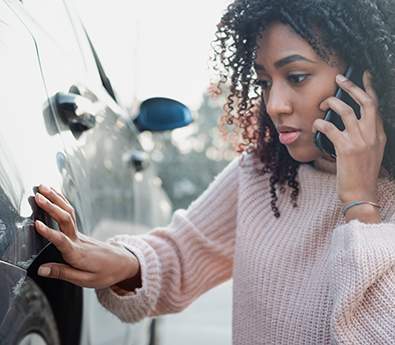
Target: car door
x=30 y=145
x=98 y=155
x=30 y=151
x=101 y=155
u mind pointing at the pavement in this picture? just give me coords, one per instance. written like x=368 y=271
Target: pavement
x=206 y=321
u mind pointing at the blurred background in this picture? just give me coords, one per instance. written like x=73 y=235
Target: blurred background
x=161 y=49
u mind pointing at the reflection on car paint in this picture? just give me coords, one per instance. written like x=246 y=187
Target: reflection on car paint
x=3 y=240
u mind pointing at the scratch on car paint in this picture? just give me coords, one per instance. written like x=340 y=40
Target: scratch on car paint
x=17 y=288
x=3 y=229
x=25 y=223
x=25 y=264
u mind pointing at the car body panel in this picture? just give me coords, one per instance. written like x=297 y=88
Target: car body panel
x=24 y=104
x=11 y=279
x=93 y=169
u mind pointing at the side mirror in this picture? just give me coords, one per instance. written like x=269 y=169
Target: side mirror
x=161 y=114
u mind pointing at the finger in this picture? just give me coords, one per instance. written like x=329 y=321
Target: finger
x=66 y=273
x=373 y=120
x=368 y=85
x=364 y=100
x=61 y=196
x=57 y=198
x=62 y=217
x=380 y=129
x=330 y=130
x=60 y=241
x=345 y=112
x=371 y=127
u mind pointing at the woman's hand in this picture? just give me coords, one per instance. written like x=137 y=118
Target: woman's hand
x=90 y=263
x=360 y=147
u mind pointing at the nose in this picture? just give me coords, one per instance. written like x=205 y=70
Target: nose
x=278 y=102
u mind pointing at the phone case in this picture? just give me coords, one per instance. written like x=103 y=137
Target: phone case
x=321 y=140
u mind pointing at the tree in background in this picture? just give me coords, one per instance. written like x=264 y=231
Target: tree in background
x=189 y=158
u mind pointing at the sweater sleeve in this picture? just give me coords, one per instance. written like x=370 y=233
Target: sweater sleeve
x=362 y=263
x=183 y=260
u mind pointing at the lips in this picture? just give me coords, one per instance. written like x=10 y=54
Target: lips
x=287 y=134
x=287 y=138
x=283 y=128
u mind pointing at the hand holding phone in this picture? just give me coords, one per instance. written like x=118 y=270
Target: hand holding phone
x=321 y=140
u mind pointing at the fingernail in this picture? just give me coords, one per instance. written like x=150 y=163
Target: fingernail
x=341 y=78
x=44 y=271
x=39 y=197
x=40 y=225
x=44 y=188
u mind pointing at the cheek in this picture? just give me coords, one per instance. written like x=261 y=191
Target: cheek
x=323 y=87
x=308 y=108
x=309 y=102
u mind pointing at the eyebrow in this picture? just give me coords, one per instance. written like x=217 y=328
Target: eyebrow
x=285 y=61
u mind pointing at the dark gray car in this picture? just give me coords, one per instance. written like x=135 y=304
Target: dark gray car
x=61 y=125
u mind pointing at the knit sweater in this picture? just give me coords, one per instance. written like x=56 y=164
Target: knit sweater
x=308 y=277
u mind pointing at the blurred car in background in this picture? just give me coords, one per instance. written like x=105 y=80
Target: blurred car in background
x=61 y=125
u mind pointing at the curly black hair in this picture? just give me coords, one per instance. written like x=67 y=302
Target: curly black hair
x=361 y=32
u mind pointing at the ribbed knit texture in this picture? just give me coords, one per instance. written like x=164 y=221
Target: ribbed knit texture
x=305 y=278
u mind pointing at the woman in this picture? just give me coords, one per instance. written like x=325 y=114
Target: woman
x=322 y=270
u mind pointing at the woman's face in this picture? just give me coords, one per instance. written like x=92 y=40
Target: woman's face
x=295 y=80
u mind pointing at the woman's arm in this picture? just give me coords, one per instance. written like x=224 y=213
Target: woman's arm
x=169 y=267
x=183 y=260
x=362 y=285
x=365 y=213
x=359 y=148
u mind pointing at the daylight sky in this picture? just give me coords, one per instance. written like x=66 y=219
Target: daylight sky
x=154 y=47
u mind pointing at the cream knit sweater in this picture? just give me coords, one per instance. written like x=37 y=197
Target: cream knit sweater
x=305 y=278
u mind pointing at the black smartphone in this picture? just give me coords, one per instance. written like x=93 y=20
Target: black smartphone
x=321 y=140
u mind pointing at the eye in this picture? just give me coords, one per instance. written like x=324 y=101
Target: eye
x=297 y=78
x=263 y=84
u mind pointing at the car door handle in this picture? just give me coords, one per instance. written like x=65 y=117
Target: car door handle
x=139 y=160
x=76 y=111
